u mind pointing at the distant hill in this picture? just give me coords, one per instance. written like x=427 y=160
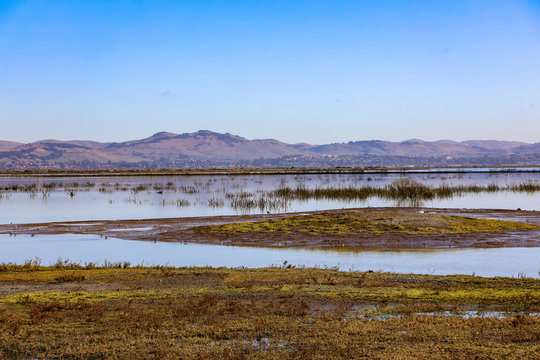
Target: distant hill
x=202 y=144
x=8 y=145
x=528 y=149
x=415 y=147
x=84 y=143
x=494 y=145
x=207 y=148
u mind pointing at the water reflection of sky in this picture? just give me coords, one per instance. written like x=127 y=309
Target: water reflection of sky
x=58 y=205
x=89 y=248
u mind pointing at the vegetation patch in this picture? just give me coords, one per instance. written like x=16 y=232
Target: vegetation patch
x=272 y=313
x=374 y=222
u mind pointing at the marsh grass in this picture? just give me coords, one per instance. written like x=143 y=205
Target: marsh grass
x=69 y=278
x=182 y=203
x=350 y=222
x=400 y=189
x=247 y=202
x=188 y=189
x=403 y=188
x=272 y=313
x=404 y=191
x=216 y=202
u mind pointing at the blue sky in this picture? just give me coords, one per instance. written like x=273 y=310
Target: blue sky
x=297 y=71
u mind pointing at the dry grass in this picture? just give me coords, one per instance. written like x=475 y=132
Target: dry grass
x=275 y=313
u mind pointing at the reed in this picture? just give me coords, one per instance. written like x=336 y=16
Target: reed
x=401 y=189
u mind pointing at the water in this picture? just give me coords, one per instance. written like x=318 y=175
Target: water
x=510 y=262
x=206 y=195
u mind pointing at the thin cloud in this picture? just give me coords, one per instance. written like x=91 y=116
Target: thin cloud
x=167 y=93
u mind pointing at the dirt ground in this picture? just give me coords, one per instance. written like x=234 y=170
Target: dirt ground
x=186 y=230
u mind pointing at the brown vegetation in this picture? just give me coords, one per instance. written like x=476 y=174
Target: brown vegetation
x=275 y=313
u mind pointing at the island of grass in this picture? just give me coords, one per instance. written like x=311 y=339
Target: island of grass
x=69 y=311
x=376 y=223
x=367 y=228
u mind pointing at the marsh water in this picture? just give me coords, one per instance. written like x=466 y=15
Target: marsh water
x=511 y=262
x=46 y=199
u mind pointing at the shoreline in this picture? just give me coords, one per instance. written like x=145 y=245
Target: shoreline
x=273 y=171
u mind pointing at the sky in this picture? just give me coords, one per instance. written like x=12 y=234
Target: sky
x=297 y=71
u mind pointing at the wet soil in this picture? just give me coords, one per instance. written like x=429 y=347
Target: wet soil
x=187 y=230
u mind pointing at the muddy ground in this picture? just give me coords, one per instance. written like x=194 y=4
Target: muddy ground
x=186 y=230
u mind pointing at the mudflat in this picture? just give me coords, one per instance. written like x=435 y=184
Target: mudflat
x=362 y=228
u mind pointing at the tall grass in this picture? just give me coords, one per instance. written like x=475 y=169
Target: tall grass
x=247 y=202
x=401 y=189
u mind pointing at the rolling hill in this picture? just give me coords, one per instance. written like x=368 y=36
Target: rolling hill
x=204 y=145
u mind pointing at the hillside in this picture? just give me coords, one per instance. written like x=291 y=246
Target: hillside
x=8 y=145
x=210 y=149
x=415 y=147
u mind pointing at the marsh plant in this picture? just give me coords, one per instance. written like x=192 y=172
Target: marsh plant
x=283 y=312
x=400 y=189
x=216 y=202
x=246 y=202
x=279 y=197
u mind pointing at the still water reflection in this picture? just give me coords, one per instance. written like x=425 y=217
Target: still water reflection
x=88 y=248
x=130 y=197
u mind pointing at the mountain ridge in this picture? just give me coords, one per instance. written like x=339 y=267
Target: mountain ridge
x=206 y=145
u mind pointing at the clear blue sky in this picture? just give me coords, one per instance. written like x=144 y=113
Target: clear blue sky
x=297 y=71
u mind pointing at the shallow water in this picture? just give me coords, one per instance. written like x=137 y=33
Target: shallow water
x=472 y=314
x=206 y=195
x=511 y=262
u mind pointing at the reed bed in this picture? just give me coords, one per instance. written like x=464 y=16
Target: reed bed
x=402 y=189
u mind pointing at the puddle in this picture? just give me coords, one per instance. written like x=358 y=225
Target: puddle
x=133 y=229
x=464 y=315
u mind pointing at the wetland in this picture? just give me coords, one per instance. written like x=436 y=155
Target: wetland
x=33 y=199
x=271 y=266
x=118 y=311
x=380 y=210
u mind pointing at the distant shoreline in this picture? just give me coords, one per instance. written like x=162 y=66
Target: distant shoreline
x=275 y=171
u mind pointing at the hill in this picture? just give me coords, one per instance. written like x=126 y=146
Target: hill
x=210 y=149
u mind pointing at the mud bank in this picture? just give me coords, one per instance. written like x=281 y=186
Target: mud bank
x=194 y=230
